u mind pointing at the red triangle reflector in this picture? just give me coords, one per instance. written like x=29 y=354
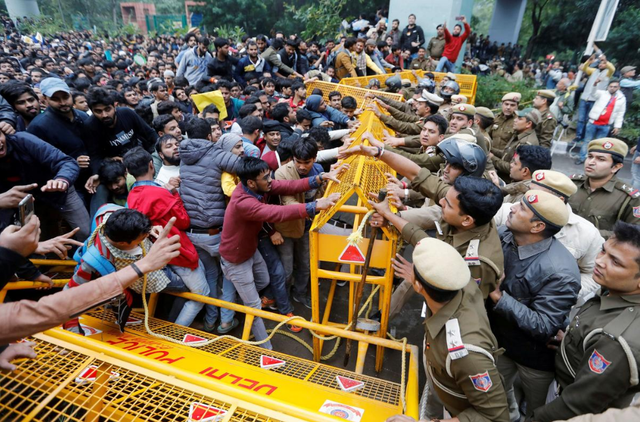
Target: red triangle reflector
x=191 y=339
x=352 y=253
x=348 y=384
x=203 y=413
x=267 y=362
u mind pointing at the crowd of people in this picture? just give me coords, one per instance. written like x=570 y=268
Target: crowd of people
x=530 y=277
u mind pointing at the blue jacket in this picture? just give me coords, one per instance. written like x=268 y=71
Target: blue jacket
x=330 y=113
x=245 y=69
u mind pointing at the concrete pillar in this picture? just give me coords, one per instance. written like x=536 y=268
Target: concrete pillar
x=430 y=14
x=20 y=8
x=506 y=21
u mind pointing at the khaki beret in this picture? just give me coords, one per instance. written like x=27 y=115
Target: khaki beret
x=451 y=76
x=547 y=207
x=466 y=109
x=554 y=181
x=440 y=265
x=460 y=98
x=430 y=98
x=512 y=96
x=531 y=114
x=627 y=69
x=485 y=112
x=612 y=146
x=546 y=93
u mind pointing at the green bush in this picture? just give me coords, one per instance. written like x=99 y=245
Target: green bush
x=492 y=88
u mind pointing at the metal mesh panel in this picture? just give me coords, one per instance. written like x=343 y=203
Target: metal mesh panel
x=355 y=92
x=468 y=83
x=55 y=387
x=384 y=391
x=365 y=173
x=374 y=388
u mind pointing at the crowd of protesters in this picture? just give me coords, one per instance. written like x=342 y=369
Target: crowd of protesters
x=129 y=174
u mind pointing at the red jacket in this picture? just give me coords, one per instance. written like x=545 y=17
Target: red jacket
x=160 y=205
x=453 y=44
x=247 y=211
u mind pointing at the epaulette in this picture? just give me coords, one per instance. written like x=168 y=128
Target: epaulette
x=578 y=177
x=550 y=116
x=629 y=190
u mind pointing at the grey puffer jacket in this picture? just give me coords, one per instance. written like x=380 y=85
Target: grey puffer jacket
x=201 y=165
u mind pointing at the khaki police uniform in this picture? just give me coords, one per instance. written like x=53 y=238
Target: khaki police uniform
x=501 y=131
x=480 y=246
x=614 y=201
x=597 y=362
x=502 y=159
x=459 y=349
x=399 y=105
x=545 y=129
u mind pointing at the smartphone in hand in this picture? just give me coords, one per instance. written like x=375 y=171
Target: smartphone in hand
x=25 y=210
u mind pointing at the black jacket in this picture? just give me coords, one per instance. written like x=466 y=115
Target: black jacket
x=410 y=35
x=130 y=131
x=31 y=160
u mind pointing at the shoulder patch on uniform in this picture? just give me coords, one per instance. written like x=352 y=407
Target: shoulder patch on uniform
x=549 y=116
x=576 y=176
x=481 y=382
x=636 y=212
x=629 y=190
x=597 y=363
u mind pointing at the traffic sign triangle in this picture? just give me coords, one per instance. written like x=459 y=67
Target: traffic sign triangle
x=204 y=413
x=193 y=339
x=90 y=373
x=352 y=253
x=348 y=384
x=267 y=362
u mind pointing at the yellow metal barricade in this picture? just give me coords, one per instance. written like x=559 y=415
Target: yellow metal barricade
x=364 y=176
x=355 y=92
x=468 y=83
x=136 y=376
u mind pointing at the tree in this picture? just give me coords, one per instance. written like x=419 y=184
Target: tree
x=537 y=8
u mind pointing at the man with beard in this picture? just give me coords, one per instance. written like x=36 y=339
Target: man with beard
x=114 y=131
x=193 y=65
x=24 y=101
x=164 y=125
x=64 y=127
x=453 y=44
x=251 y=66
x=167 y=148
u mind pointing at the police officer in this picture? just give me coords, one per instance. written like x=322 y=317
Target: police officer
x=502 y=130
x=602 y=198
x=597 y=362
x=483 y=120
x=579 y=236
x=531 y=304
x=462 y=121
x=460 y=350
x=542 y=102
x=524 y=134
x=407 y=124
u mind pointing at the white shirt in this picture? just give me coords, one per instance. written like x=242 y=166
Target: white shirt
x=167 y=172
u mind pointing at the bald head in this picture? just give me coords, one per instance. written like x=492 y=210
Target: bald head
x=563 y=84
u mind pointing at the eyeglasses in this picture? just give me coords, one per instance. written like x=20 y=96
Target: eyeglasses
x=265 y=178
